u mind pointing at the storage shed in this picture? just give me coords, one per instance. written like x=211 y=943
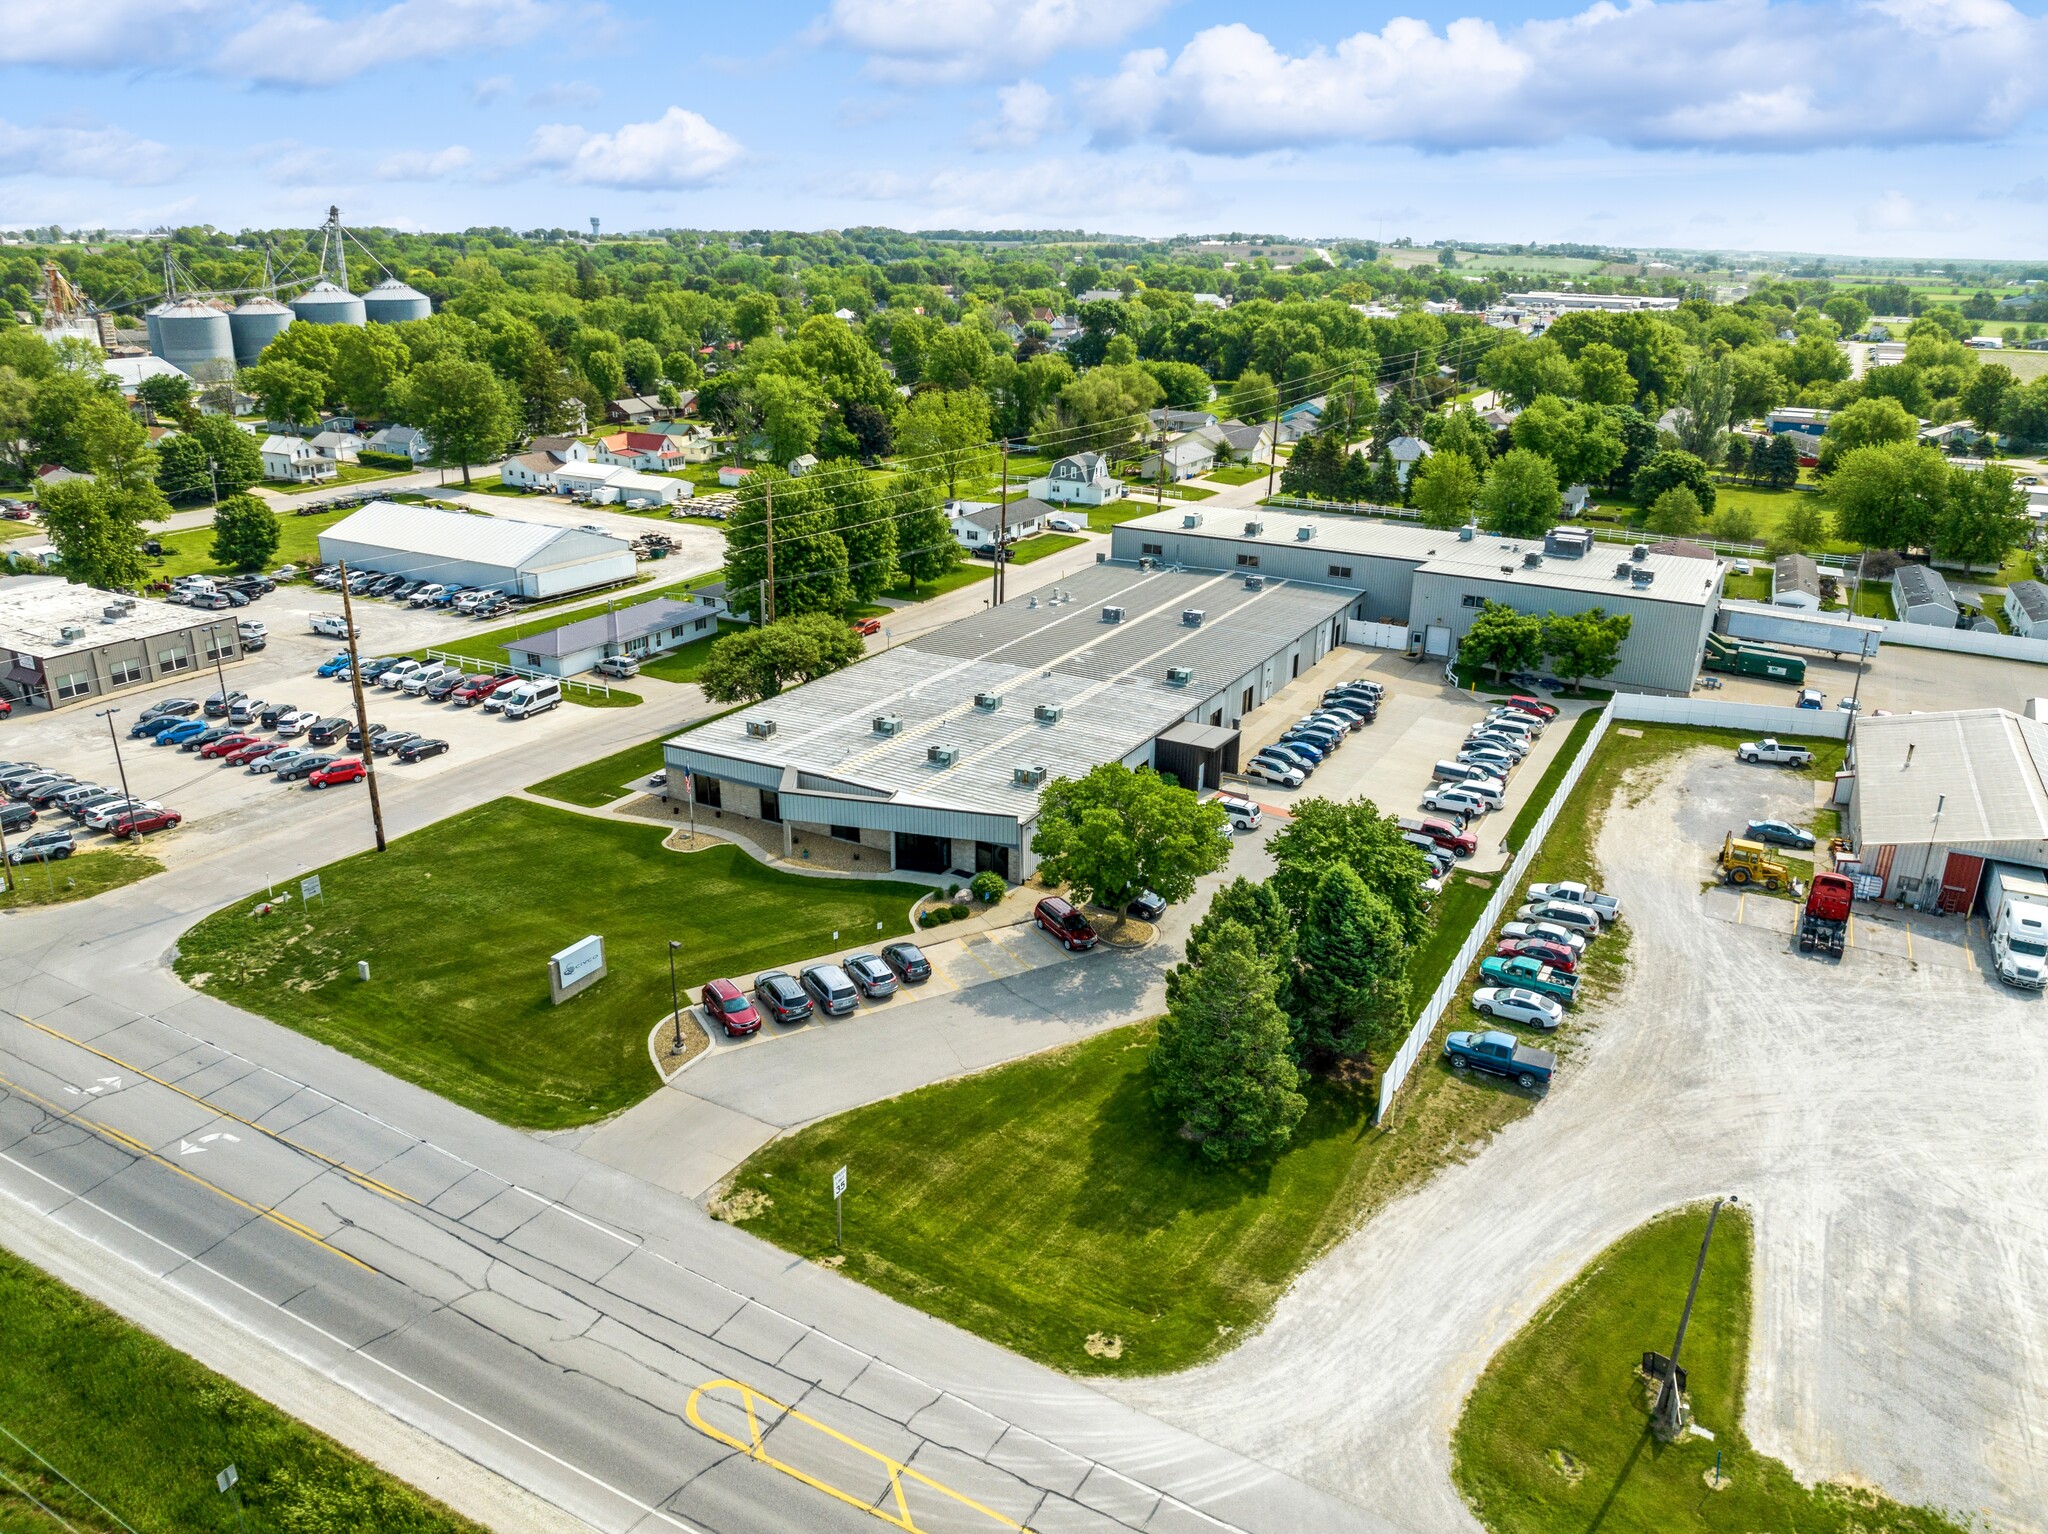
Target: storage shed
x=527 y=559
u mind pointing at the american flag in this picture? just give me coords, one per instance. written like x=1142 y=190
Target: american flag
x=689 y=789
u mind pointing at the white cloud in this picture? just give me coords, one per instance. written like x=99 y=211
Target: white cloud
x=2034 y=189
x=989 y=196
x=1714 y=74
x=295 y=45
x=1896 y=213
x=920 y=42
x=491 y=88
x=423 y=164
x=1025 y=113
x=91 y=151
x=679 y=148
x=106 y=32
x=566 y=93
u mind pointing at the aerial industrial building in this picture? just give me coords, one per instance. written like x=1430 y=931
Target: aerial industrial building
x=932 y=755
x=1419 y=588
x=523 y=559
x=62 y=644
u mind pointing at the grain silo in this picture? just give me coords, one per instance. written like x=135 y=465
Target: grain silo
x=194 y=336
x=149 y=320
x=391 y=302
x=325 y=304
x=256 y=322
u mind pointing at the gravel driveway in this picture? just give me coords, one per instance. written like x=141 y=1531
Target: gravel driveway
x=1883 y=1119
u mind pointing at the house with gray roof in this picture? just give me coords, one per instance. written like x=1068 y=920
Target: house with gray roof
x=1795 y=582
x=639 y=632
x=1922 y=596
x=1082 y=479
x=977 y=524
x=2026 y=608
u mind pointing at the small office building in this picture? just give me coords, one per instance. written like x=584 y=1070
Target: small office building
x=62 y=644
x=638 y=632
x=524 y=559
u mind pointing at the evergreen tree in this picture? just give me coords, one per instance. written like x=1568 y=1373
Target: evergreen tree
x=1352 y=990
x=1221 y=1067
x=1385 y=489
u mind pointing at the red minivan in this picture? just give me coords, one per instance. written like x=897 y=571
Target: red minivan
x=727 y=1005
x=1061 y=920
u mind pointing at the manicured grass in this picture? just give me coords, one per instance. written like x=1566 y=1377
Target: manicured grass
x=1045 y=543
x=1768 y=507
x=1874 y=600
x=1546 y=786
x=345 y=474
x=684 y=664
x=596 y=784
x=1555 y=1438
x=144 y=1430
x=493 y=484
x=458 y=921
x=191 y=551
x=78 y=877
x=1754 y=587
x=1048 y=1201
x=1106 y=516
x=1238 y=473
x=1994 y=608
x=1179 y=490
x=967 y=573
x=1452 y=913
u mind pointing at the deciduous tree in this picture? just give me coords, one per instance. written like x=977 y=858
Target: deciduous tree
x=1675 y=513
x=1119 y=830
x=925 y=546
x=1865 y=423
x=1585 y=644
x=810 y=558
x=1985 y=518
x=1889 y=495
x=1675 y=467
x=1443 y=488
x=467 y=415
x=1253 y=398
x=1503 y=639
x=944 y=433
x=1520 y=498
x=760 y=662
x=245 y=533
x=1321 y=832
x=289 y=394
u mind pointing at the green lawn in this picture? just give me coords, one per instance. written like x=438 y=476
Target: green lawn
x=596 y=784
x=144 y=1430
x=492 y=484
x=1994 y=607
x=1104 y=517
x=1452 y=913
x=191 y=552
x=458 y=920
x=1238 y=473
x=1031 y=549
x=1553 y=774
x=1048 y=1202
x=1555 y=1437
x=1874 y=600
x=966 y=573
x=344 y=474
x=78 y=877
x=1754 y=587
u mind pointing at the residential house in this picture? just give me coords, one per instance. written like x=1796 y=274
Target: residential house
x=1577 y=499
x=530 y=471
x=1101 y=296
x=846 y=315
x=975 y=524
x=338 y=447
x=1302 y=419
x=731 y=474
x=1795 y=582
x=56 y=474
x=1920 y=595
x=1180 y=420
x=1951 y=435
x=401 y=442
x=563 y=449
x=1240 y=443
x=1081 y=479
x=639 y=632
x=636 y=410
x=802 y=464
x=295 y=461
x=650 y=452
x=2026 y=608
x=693 y=440
x=1061 y=330
x=1182 y=457
x=1211 y=301
x=1407 y=452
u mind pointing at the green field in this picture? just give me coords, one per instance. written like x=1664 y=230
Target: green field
x=967 y=573
x=191 y=551
x=1873 y=599
x=1556 y=1439
x=1754 y=587
x=1240 y=473
x=457 y=922
x=78 y=877
x=1453 y=913
x=1104 y=517
x=596 y=784
x=111 y=1430
x=1553 y=774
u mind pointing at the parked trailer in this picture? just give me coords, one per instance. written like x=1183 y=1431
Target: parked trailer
x=1752 y=660
x=1837 y=634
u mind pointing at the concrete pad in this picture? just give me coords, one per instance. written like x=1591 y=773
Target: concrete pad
x=678 y=1140
x=891 y=1392
x=951 y=1421
x=761 y=1333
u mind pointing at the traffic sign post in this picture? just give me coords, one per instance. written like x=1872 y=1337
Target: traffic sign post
x=226 y=1483
x=839 y=1207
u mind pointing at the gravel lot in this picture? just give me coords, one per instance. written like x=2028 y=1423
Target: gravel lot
x=1894 y=1170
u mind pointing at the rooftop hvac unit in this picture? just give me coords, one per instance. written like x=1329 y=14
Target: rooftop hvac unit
x=1112 y=615
x=1253 y=528
x=1532 y=559
x=1642 y=578
x=73 y=632
x=1191 y=519
x=888 y=724
x=760 y=729
x=1623 y=570
x=1305 y=532
x=942 y=756
x=113 y=614
x=1192 y=617
x=1048 y=713
x=1147 y=562
x=1254 y=583
x=988 y=701
x=1465 y=533
x=1180 y=676
x=1027 y=777
x=1640 y=552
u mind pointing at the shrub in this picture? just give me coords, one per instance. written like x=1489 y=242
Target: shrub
x=988 y=885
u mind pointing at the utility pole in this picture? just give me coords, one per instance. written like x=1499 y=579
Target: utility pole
x=213 y=644
x=119 y=765
x=1667 y=1412
x=1273 y=452
x=768 y=540
x=355 y=682
x=1001 y=582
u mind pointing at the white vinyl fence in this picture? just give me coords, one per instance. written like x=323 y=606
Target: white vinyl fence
x=1926 y=636
x=466 y=663
x=1758 y=718
x=1509 y=882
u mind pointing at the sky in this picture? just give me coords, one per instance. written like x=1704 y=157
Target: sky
x=1856 y=127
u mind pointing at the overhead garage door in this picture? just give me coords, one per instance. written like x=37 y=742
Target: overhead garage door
x=1436 y=640
x=1959 y=882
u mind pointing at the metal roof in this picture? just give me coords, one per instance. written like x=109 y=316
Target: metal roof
x=1921 y=587
x=458 y=535
x=1795 y=572
x=1107 y=680
x=2032 y=598
x=1983 y=770
x=35 y=610
x=616 y=627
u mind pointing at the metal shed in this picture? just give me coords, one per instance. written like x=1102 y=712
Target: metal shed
x=528 y=559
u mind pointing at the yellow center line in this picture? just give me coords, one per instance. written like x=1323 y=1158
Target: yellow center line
x=898 y=1472
x=130 y=1143
x=364 y=1178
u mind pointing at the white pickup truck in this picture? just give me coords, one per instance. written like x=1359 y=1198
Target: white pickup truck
x=1771 y=752
x=1608 y=906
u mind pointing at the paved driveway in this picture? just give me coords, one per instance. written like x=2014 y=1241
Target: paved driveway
x=1892 y=1152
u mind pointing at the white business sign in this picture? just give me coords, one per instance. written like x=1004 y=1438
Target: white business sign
x=579 y=960
x=309 y=887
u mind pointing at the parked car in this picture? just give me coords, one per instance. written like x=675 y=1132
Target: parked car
x=867 y=628
x=377 y=670
x=149 y=729
x=268 y=716
x=909 y=962
x=1267 y=769
x=142 y=822
x=300 y=765
x=419 y=748
x=297 y=721
x=358 y=740
x=392 y=740
x=254 y=751
x=1305 y=754
x=218 y=704
x=617 y=667
x=1059 y=920
x=397 y=676
x=1780 y=834
x=1556 y=955
x=1460 y=799
x=1563 y=913
x=419 y=681
x=871 y=975
x=182 y=731
x=341 y=769
x=100 y=816
x=1518 y=1005
x=171 y=708
x=1147 y=907
x=206 y=738
x=43 y=846
x=831 y=989
x=1244 y=814
x=16 y=817
x=1536 y=706
x=1579 y=894
x=477 y=688
x=1532 y=974
x=425 y=596
x=441 y=689
x=726 y=1005
x=781 y=997
x=226 y=745
x=1500 y=1054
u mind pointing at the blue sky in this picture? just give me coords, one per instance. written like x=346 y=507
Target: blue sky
x=1913 y=127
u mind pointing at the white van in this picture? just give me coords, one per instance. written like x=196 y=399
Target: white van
x=530 y=698
x=333 y=625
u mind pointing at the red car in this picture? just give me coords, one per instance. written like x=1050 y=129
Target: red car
x=227 y=745
x=1447 y=836
x=727 y=1005
x=142 y=824
x=1056 y=917
x=346 y=769
x=867 y=628
x=251 y=749
x=1556 y=955
x=479 y=688
x=1534 y=706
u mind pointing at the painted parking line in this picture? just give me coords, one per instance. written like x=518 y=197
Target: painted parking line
x=809 y=1451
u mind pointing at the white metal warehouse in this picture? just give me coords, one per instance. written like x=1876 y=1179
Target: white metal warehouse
x=933 y=754
x=526 y=559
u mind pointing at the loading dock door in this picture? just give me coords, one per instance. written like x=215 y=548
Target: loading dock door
x=1959 y=882
x=1436 y=640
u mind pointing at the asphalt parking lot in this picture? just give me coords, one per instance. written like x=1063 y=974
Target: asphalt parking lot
x=1900 y=678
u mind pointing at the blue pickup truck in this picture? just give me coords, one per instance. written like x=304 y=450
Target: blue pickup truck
x=1500 y=1054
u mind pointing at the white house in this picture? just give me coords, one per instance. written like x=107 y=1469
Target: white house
x=650 y=452
x=975 y=526
x=530 y=471
x=1407 y=452
x=802 y=464
x=295 y=460
x=732 y=475
x=1183 y=457
x=1795 y=582
x=401 y=442
x=1576 y=500
x=338 y=446
x=1081 y=479
x=585 y=478
x=1241 y=443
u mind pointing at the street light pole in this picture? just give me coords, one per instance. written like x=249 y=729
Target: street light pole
x=675 y=1000
x=119 y=766
x=213 y=473
x=213 y=644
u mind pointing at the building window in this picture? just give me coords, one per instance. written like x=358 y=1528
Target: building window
x=73 y=684
x=1246 y=706
x=636 y=647
x=1341 y=572
x=705 y=791
x=218 y=648
x=846 y=833
x=122 y=672
x=1472 y=599
x=702 y=624
x=771 y=806
x=176 y=659
x=1151 y=548
x=1248 y=559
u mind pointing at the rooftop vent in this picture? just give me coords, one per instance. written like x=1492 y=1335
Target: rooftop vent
x=888 y=724
x=1048 y=713
x=1305 y=532
x=1027 y=777
x=1147 y=562
x=1507 y=569
x=1253 y=528
x=1465 y=534
x=760 y=729
x=1642 y=578
x=1254 y=583
x=1112 y=615
x=988 y=701
x=1623 y=570
x=1639 y=553
x=1180 y=676
x=942 y=756
x=1532 y=559
x=1191 y=519
x=73 y=632
x=1192 y=616
x=113 y=614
